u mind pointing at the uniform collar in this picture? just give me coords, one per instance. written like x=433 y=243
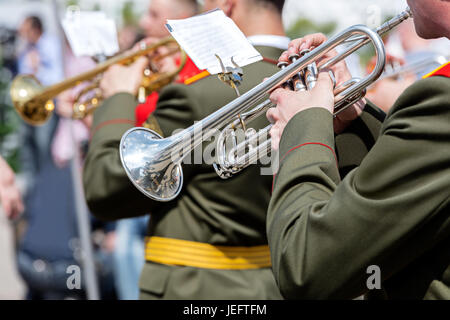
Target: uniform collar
x=267 y=40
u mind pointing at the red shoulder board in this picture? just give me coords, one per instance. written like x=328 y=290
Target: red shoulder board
x=191 y=73
x=443 y=71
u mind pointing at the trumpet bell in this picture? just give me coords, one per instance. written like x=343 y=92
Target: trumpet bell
x=148 y=164
x=26 y=96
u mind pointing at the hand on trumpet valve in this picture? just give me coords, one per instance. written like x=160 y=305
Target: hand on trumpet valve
x=125 y=79
x=65 y=106
x=289 y=103
x=309 y=42
x=65 y=102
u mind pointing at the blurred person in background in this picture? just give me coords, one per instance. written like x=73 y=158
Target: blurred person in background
x=127 y=242
x=39 y=53
x=128 y=36
x=11 y=204
x=153 y=23
x=129 y=250
x=71 y=139
x=49 y=243
x=406 y=48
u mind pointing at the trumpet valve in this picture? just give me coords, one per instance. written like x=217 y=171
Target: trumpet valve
x=142 y=94
x=282 y=65
x=288 y=84
x=298 y=80
x=49 y=106
x=311 y=73
x=294 y=57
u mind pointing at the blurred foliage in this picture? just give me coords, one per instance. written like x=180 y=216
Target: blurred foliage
x=368 y=52
x=95 y=7
x=9 y=122
x=305 y=26
x=129 y=16
x=72 y=3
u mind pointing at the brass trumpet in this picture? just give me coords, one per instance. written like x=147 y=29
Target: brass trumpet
x=34 y=102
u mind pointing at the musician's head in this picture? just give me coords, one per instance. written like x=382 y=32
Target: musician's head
x=154 y=20
x=431 y=18
x=31 y=29
x=251 y=16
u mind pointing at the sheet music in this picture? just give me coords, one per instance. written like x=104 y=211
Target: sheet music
x=90 y=33
x=204 y=36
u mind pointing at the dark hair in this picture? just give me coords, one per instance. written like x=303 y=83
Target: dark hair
x=36 y=23
x=276 y=4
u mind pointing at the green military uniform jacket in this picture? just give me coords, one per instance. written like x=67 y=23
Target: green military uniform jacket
x=208 y=210
x=392 y=211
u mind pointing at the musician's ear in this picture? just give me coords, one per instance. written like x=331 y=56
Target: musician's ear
x=228 y=7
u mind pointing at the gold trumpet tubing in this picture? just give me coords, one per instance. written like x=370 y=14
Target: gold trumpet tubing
x=33 y=101
x=84 y=107
x=150 y=83
x=183 y=61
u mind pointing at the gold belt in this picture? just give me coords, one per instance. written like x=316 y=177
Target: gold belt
x=204 y=255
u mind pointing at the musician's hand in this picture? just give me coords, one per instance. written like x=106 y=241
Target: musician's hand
x=65 y=102
x=123 y=78
x=289 y=103
x=340 y=71
x=312 y=41
x=10 y=197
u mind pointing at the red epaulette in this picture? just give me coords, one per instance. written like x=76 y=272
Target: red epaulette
x=191 y=73
x=443 y=71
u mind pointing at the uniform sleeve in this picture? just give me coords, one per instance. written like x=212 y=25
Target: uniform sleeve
x=109 y=193
x=324 y=233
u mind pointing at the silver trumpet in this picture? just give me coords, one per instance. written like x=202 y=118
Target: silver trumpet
x=153 y=164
